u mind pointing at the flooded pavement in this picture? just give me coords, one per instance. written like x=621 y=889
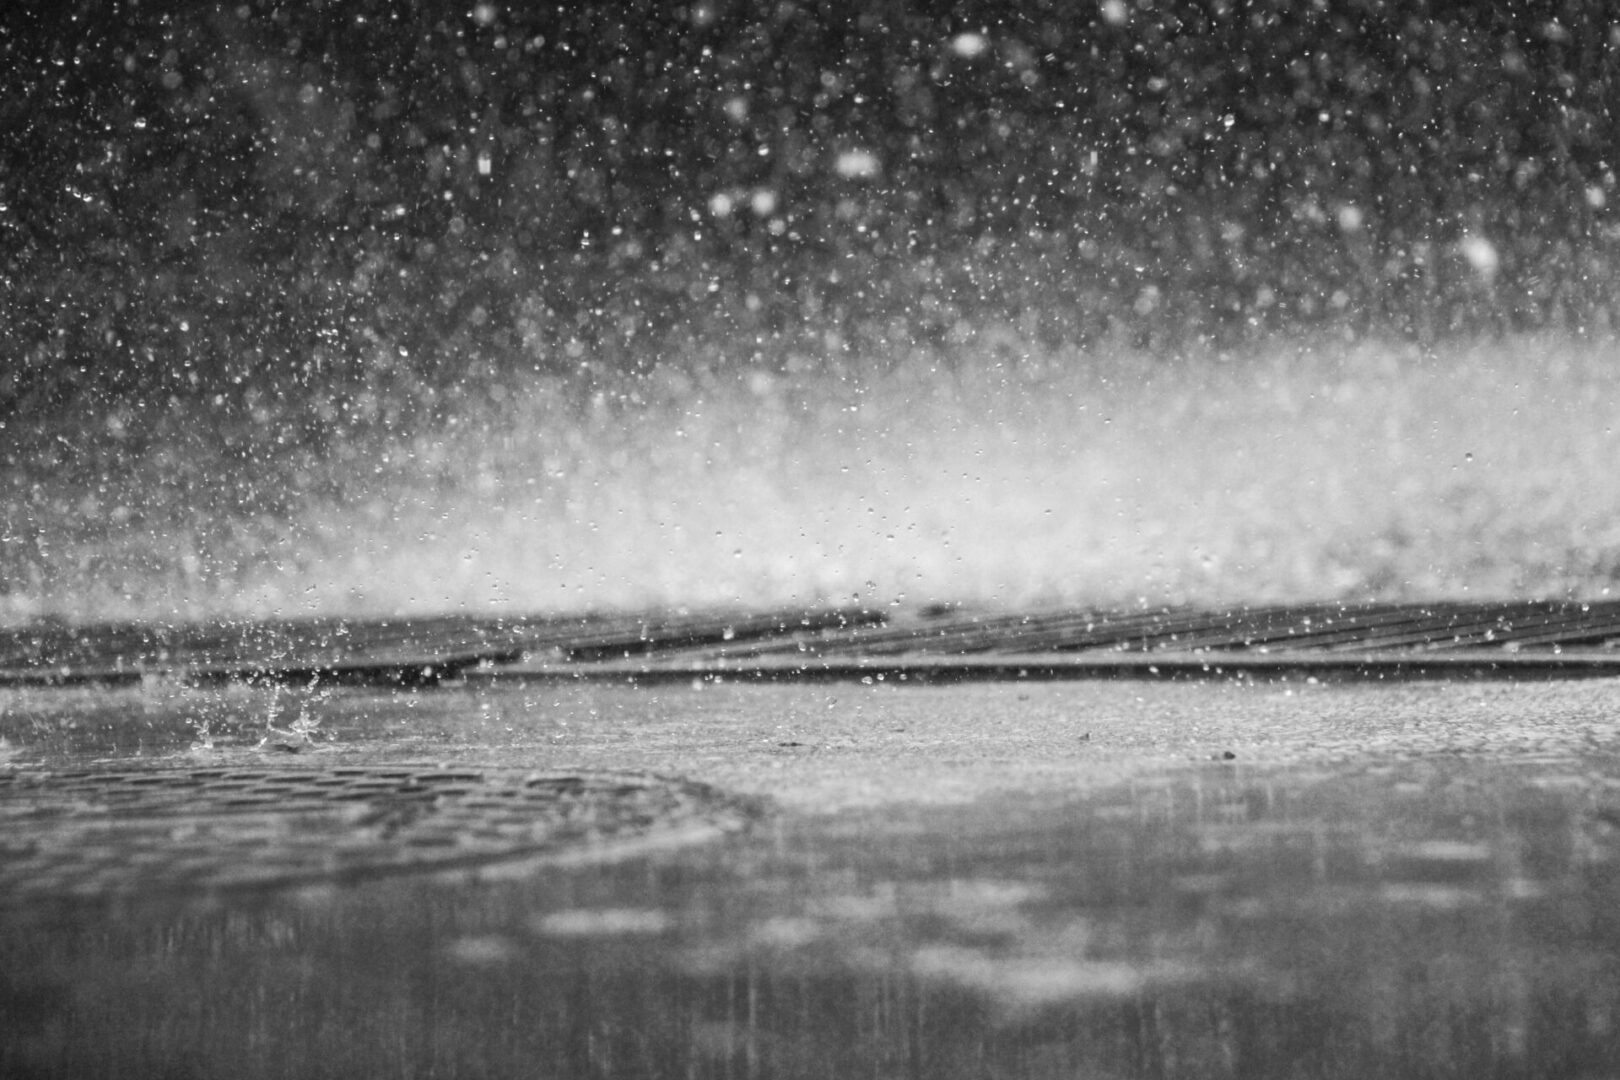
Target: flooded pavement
x=1096 y=879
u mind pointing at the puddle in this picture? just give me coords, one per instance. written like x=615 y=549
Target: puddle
x=192 y=832
x=1343 y=928
x=1441 y=913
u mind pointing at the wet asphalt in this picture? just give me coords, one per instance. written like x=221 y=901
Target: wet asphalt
x=1025 y=880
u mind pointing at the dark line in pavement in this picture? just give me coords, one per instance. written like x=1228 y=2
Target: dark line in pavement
x=1046 y=667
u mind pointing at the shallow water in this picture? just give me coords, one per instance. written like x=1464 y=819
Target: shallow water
x=1428 y=918
x=1022 y=899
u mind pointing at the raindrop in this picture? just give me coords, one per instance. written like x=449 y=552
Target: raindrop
x=1481 y=255
x=968 y=46
x=857 y=165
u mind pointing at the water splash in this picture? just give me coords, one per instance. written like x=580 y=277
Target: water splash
x=1024 y=477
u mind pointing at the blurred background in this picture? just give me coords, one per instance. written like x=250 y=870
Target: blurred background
x=366 y=308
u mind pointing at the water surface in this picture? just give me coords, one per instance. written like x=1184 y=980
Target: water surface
x=1433 y=910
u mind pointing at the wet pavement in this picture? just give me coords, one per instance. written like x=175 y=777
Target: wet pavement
x=1111 y=879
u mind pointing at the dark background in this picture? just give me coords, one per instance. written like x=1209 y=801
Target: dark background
x=271 y=272
x=397 y=205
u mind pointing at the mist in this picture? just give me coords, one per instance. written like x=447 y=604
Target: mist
x=352 y=311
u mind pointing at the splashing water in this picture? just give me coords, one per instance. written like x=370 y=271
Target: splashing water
x=1043 y=477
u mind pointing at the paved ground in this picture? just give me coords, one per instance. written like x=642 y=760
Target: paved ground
x=1099 y=879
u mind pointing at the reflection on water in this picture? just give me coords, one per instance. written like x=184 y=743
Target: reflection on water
x=1430 y=918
